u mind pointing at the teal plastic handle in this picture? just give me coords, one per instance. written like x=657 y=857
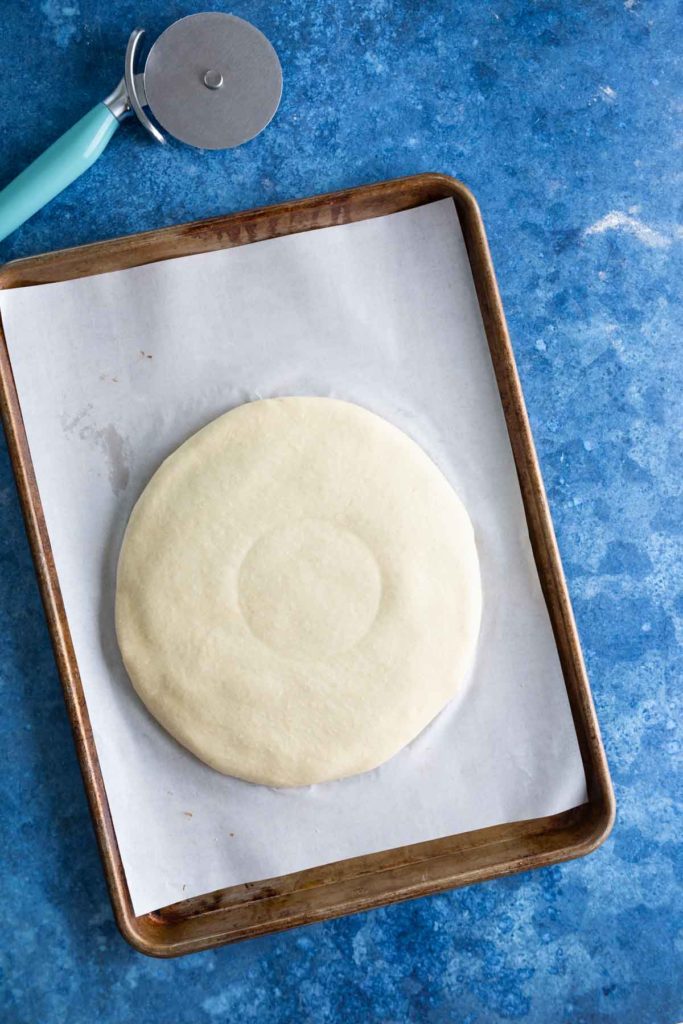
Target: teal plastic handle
x=65 y=160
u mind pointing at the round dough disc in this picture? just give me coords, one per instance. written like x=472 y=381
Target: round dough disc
x=298 y=592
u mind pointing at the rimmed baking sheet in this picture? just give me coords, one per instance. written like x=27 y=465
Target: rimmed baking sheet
x=114 y=370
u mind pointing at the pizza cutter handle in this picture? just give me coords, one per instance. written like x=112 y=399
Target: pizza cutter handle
x=65 y=160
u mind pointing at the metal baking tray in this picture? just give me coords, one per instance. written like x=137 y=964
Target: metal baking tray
x=348 y=886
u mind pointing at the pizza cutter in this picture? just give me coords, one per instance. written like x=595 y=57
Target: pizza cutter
x=211 y=80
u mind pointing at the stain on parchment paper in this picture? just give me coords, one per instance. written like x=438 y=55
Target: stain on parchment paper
x=109 y=441
x=115 y=450
x=69 y=425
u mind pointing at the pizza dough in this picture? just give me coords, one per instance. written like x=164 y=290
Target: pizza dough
x=298 y=592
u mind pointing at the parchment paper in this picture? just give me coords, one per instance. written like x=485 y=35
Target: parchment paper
x=114 y=371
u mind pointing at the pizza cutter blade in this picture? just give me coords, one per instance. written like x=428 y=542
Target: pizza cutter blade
x=211 y=80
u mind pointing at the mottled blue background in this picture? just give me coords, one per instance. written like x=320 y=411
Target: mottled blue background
x=565 y=119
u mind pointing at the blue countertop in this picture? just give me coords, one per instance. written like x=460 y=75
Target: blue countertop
x=564 y=118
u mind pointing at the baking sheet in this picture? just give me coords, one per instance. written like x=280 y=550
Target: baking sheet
x=114 y=371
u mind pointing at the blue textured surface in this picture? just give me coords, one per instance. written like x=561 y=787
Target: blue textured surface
x=564 y=118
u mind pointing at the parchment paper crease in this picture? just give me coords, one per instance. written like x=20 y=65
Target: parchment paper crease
x=114 y=371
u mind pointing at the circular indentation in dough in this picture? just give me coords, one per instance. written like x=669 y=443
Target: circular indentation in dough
x=310 y=589
x=298 y=592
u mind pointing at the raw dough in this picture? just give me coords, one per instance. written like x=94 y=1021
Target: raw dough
x=298 y=592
